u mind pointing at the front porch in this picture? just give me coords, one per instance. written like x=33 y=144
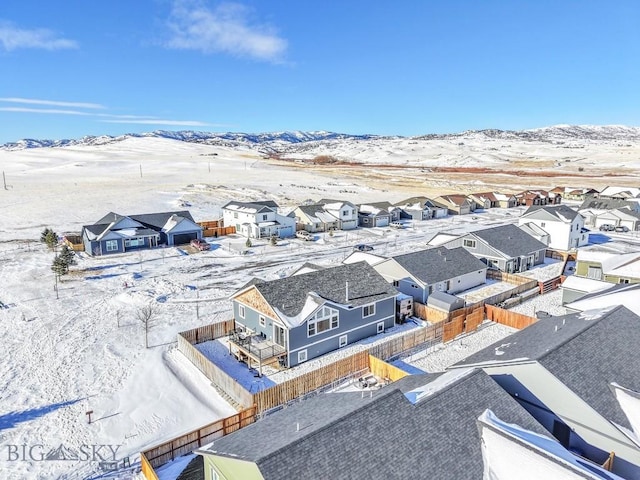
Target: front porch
x=254 y=348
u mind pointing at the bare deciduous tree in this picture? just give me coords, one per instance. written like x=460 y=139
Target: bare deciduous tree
x=146 y=315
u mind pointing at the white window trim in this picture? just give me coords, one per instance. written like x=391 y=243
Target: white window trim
x=262 y=321
x=109 y=243
x=314 y=321
x=343 y=341
x=241 y=311
x=302 y=356
x=379 y=327
x=470 y=241
x=368 y=306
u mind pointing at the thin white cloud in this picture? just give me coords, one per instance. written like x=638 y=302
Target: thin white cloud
x=54 y=103
x=105 y=117
x=227 y=28
x=43 y=110
x=181 y=123
x=13 y=38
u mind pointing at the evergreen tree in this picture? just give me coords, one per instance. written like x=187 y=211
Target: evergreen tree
x=49 y=237
x=274 y=240
x=60 y=266
x=68 y=255
x=248 y=243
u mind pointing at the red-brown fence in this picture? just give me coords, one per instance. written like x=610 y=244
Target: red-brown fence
x=208 y=332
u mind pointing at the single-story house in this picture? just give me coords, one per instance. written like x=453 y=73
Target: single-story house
x=394 y=212
x=455 y=204
x=370 y=216
x=421 y=208
x=307 y=315
x=505 y=247
x=432 y=419
x=314 y=218
x=486 y=200
x=437 y=269
x=610 y=267
x=576 y=375
x=505 y=200
x=620 y=217
x=115 y=233
x=606 y=203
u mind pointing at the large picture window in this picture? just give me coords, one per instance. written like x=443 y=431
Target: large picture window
x=112 y=245
x=325 y=319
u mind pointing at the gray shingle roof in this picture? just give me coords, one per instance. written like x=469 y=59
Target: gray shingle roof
x=345 y=436
x=158 y=220
x=435 y=265
x=510 y=240
x=559 y=211
x=587 y=352
x=365 y=286
x=607 y=203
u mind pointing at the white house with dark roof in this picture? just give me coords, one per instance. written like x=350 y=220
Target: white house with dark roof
x=619 y=217
x=564 y=225
x=577 y=376
x=505 y=247
x=258 y=219
x=307 y=315
x=421 y=273
x=115 y=233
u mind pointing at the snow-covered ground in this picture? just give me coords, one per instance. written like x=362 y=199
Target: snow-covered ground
x=439 y=357
x=86 y=350
x=549 y=302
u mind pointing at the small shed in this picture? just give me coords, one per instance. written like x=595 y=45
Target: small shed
x=404 y=307
x=444 y=301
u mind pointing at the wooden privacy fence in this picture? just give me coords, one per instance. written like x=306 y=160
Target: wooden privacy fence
x=208 y=332
x=506 y=277
x=507 y=317
x=407 y=341
x=216 y=228
x=382 y=369
x=296 y=387
x=214 y=373
x=530 y=284
x=462 y=320
x=147 y=470
x=187 y=443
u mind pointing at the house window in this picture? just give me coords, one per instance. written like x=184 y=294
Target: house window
x=235 y=214
x=342 y=342
x=413 y=285
x=594 y=273
x=214 y=474
x=264 y=217
x=542 y=224
x=263 y=322
x=302 y=356
x=396 y=283
x=345 y=213
x=469 y=243
x=324 y=320
x=112 y=245
x=368 y=310
x=241 y=311
x=380 y=327
x=623 y=280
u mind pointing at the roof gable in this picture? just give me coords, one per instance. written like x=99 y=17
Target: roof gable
x=510 y=240
x=438 y=264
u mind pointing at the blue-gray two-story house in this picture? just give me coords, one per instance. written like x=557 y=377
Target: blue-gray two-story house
x=310 y=314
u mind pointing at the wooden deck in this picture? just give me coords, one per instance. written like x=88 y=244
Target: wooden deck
x=254 y=348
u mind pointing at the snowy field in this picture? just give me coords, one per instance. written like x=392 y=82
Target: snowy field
x=85 y=351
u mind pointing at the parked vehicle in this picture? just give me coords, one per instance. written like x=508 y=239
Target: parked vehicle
x=396 y=225
x=304 y=235
x=200 y=244
x=361 y=247
x=607 y=227
x=622 y=228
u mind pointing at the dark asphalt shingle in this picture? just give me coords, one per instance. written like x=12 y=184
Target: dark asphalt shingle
x=510 y=240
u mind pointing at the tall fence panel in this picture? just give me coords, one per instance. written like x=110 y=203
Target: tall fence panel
x=407 y=341
x=208 y=332
x=382 y=369
x=160 y=454
x=508 y=318
x=214 y=373
x=309 y=382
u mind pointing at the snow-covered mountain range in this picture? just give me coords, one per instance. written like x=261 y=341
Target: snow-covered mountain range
x=293 y=141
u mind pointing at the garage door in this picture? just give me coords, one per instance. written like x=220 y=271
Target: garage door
x=182 y=238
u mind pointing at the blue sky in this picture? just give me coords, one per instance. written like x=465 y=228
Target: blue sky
x=71 y=68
